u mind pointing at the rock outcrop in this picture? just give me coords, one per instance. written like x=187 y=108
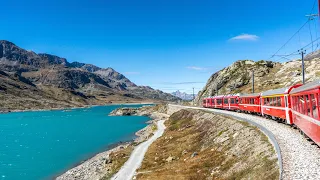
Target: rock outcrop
x=237 y=78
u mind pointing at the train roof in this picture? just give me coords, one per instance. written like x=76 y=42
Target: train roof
x=275 y=91
x=250 y=95
x=284 y=90
x=232 y=95
x=308 y=86
x=222 y=96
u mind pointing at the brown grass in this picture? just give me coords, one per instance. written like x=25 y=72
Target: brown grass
x=187 y=134
x=118 y=160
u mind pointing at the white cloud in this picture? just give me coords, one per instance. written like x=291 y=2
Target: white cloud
x=131 y=73
x=197 y=68
x=245 y=37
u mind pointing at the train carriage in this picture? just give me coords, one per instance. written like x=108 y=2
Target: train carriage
x=250 y=103
x=305 y=109
x=218 y=102
x=275 y=104
x=210 y=102
x=204 y=102
x=231 y=102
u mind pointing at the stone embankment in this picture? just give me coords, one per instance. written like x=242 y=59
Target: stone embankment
x=300 y=159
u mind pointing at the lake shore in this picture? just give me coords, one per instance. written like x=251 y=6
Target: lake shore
x=107 y=163
x=74 y=107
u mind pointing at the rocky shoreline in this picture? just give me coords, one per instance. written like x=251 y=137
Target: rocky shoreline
x=102 y=165
x=5 y=111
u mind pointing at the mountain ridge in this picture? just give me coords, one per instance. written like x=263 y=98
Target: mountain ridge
x=182 y=95
x=83 y=84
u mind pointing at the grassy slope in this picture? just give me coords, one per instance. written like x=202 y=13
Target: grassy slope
x=227 y=149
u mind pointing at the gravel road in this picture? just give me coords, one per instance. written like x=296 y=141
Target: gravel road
x=300 y=159
x=128 y=170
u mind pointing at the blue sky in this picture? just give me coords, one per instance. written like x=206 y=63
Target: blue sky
x=169 y=45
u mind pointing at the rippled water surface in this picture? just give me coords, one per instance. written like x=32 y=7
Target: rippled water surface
x=40 y=145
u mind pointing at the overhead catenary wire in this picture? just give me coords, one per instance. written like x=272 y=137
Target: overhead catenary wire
x=293 y=53
x=310 y=17
x=290 y=39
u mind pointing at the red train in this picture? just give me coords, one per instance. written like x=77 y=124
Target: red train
x=296 y=105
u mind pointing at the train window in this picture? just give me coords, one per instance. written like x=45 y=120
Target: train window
x=272 y=103
x=232 y=101
x=219 y=101
x=302 y=104
x=307 y=104
x=278 y=101
x=314 y=112
x=225 y=101
x=295 y=103
x=237 y=101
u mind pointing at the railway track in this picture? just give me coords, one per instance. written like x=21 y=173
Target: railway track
x=300 y=159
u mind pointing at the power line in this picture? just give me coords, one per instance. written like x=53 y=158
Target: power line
x=310 y=17
x=311 y=42
x=314 y=5
x=289 y=39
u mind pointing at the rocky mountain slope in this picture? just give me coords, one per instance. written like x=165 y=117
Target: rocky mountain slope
x=183 y=95
x=237 y=78
x=31 y=81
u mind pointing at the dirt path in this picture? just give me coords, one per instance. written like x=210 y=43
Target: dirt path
x=129 y=168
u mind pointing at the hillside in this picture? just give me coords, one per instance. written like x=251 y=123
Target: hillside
x=203 y=145
x=39 y=81
x=237 y=78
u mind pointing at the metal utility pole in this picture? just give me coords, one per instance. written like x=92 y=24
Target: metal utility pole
x=302 y=52
x=193 y=95
x=252 y=81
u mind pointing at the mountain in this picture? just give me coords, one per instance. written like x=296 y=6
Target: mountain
x=36 y=81
x=237 y=78
x=183 y=95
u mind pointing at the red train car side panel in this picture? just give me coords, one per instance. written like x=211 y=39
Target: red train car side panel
x=276 y=103
x=250 y=103
x=306 y=109
x=231 y=102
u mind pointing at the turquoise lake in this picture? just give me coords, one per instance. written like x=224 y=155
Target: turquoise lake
x=41 y=145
